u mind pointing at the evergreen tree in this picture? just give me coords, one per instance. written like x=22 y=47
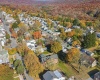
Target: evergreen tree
x=89 y=40
x=76 y=22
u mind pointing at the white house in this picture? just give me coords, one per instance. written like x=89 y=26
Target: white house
x=4 y=57
x=31 y=44
x=68 y=29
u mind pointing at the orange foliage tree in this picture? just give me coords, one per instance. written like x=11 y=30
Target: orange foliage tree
x=70 y=34
x=37 y=35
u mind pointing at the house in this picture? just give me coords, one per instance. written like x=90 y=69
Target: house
x=69 y=41
x=31 y=44
x=72 y=78
x=88 y=61
x=90 y=29
x=98 y=35
x=56 y=33
x=53 y=75
x=78 y=27
x=43 y=58
x=40 y=49
x=27 y=35
x=97 y=76
x=89 y=53
x=4 y=57
x=68 y=29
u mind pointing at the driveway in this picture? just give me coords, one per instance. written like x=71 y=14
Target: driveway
x=13 y=43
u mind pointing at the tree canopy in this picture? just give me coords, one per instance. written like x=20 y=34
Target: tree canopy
x=73 y=55
x=32 y=64
x=6 y=73
x=89 y=40
x=18 y=66
x=56 y=47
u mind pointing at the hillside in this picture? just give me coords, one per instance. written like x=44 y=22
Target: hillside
x=72 y=8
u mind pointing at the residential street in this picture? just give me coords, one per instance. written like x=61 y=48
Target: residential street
x=13 y=45
x=25 y=73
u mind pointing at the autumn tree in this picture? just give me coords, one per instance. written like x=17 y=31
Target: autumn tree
x=21 y=24
x=12 y=51
x=50 y=65
x=22 y=49
x=62 y=34
x=6 y=73
x=13 y=34
x=33 y=65
x=70 y=34
x=56 y=47
x=37 y=34
x=73 y=55
x=36 y=25
x=68 y=24
x=82 y=24
x=22 y=30
x=49 y=23
x=77 y=42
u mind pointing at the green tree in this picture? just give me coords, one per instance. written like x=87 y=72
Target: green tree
x=7 y=36
x=17 y=63
x=76 y=22
x=19 y=67
x=15 y=25
x=88 y=23
x=98 y=62
x=56 y=47
x=89 y=40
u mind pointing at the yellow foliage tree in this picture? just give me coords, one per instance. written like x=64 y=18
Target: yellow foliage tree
x=68 y=24
x=33 y=65
x=73 y=55
x=12 y=51
x=77 y=42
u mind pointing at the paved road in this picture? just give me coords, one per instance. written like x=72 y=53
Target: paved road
x=6 y=27
x=25 y=73
x=13 y=43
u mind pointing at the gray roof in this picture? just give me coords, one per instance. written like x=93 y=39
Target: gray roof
x=87 y=59
x=44 y=58
x=50 y=75
x=98 y=35
x=97 y=76
x=4 y=56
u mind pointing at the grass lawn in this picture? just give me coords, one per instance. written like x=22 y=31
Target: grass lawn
x=11 y=60
x=66 y=69
x=16 y=79
x=15 y=75
x=46 y=52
